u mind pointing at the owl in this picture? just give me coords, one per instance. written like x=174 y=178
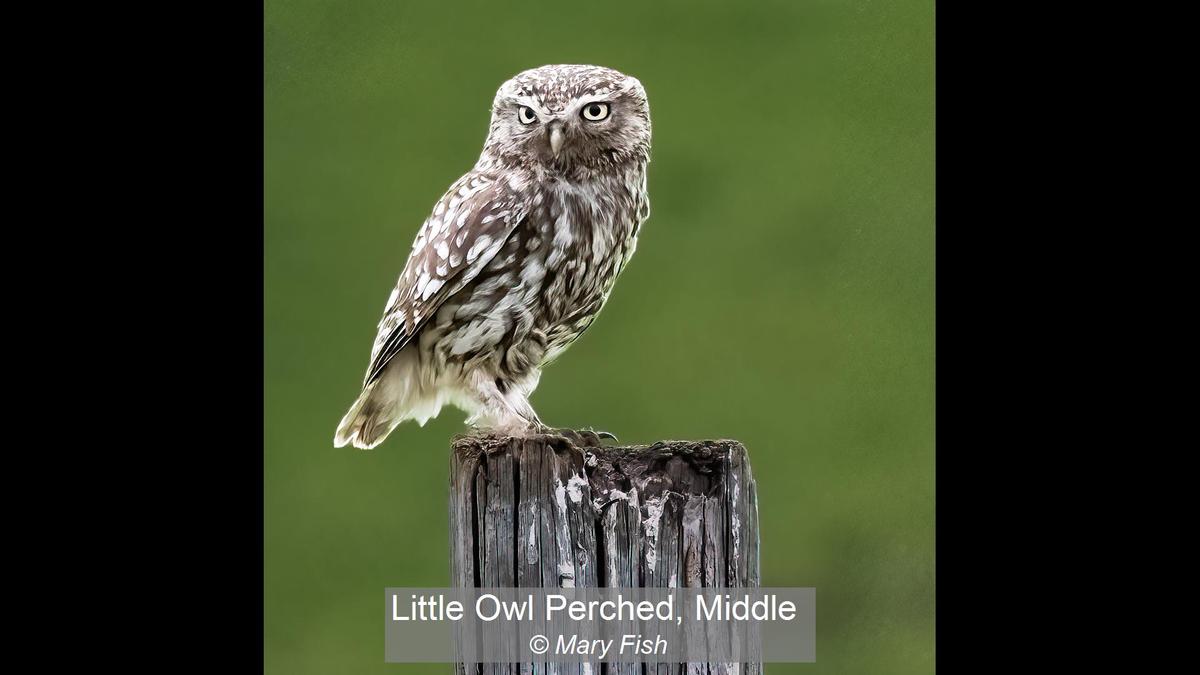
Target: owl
x=516 y=259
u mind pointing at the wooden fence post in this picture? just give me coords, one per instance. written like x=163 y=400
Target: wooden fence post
x=539 y=512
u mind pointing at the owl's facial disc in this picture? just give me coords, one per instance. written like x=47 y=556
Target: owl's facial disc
x=569 y=119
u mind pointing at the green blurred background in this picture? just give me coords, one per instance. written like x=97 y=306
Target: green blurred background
x=782 y=293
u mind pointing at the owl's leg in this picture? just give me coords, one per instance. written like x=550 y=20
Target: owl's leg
x=502 y=408
x=520 y=403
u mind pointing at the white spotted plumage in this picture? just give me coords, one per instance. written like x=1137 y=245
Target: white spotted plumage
x=515 y=260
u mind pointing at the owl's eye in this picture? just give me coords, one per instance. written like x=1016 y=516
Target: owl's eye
x=594 y=112
x=525 y=114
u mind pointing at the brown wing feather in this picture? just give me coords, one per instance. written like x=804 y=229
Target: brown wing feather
x=468 y=226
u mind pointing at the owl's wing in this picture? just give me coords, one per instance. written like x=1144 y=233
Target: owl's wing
x=468 y=226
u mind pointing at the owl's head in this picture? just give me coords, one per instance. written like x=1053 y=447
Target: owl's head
x=560 y=118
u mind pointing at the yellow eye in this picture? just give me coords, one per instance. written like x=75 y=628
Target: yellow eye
x=594 y=112
x=526 y=115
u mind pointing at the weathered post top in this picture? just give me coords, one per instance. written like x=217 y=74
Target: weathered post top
x=546 y=512
x=543 y=512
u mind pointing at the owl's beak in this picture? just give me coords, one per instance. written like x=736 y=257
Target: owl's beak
x=556 y=140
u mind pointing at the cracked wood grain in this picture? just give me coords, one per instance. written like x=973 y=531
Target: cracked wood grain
x=540 y=512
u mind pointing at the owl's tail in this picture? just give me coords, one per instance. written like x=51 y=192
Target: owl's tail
x=369 y=420
x=393 y=398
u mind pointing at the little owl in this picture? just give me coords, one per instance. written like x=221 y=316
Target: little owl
x=516 y=259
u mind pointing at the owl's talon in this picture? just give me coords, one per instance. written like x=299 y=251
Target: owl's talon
x=593 y=439
x=601 y=435
x=581 y=438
